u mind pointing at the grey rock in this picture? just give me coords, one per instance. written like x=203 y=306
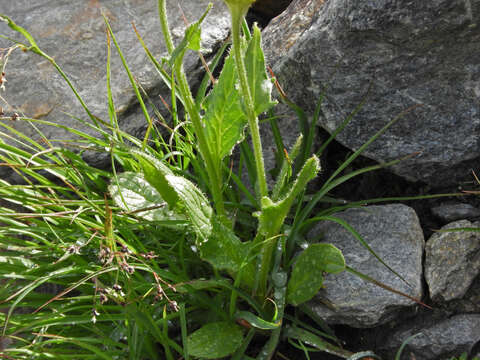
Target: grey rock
x=452 y=261
x=410 y=52
x=439 y=341
x=453 y=212
x=73 y=33
x=394 y=233
x=469 y=303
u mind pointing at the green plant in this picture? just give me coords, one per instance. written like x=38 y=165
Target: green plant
x=180 y=252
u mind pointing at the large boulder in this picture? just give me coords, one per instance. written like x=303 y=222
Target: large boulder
x=409 y=52
x=73 y=33
x=394 y=234
x=452 y=260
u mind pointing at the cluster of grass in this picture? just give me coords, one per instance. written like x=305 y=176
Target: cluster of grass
x=168 y=254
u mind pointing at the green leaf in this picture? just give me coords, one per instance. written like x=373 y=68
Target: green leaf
x=191 y=40
x=16 y=261
x=273 y=214
x=257 y=322
x=286 y=169
x=223 y=249
x=181 y=194
x=293 y=332
x=215 y=340
x=307 y=274
x=133 y=193
x=155 y=173
x=224 y=117
x=21 y=30
x=259 y=83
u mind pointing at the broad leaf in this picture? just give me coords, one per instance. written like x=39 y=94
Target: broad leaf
x=224 y=117
x=258 y=81
x=133 y=193
x=181 y=194
x=307 y=274
x=223 y=249
x=215 y=340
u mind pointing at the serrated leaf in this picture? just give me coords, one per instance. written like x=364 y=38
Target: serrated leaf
x=258 y=81
x=183 y=196
x=224 y=117
x=215 y=340
x=223 y=249
x=133 y=193
x=307 y=273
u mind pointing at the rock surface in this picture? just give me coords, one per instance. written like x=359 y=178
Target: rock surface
x=469 y=303
x=270 y=8
x=439 y=341
x=410 y=52
x=73 y=32
x=394 y=233
x=453 y=212
x=452 y=261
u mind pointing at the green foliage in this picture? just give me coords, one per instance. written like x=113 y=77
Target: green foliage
x=180 y=194
x=215 y=340
x=134 y=194
x=176 y=246
x=258 y=82
x=307 y=274
x=224 y=117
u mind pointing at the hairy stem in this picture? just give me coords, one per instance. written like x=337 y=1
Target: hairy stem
x=237 y=20
x=214 y=172
x=162 y=14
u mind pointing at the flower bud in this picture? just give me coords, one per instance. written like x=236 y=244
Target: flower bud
x=238 y=7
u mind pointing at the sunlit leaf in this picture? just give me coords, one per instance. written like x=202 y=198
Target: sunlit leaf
x=181 y=194
x=224 y=117
x=258 y=81
x=134 y=194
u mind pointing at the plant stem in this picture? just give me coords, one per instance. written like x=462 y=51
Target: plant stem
x=214 y=172
x=162 y=14
x=237 y=20
x=280 y=294
x=215 y=176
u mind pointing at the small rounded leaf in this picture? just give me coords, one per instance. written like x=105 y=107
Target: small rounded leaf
x=307 y=274
x=215 y=340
